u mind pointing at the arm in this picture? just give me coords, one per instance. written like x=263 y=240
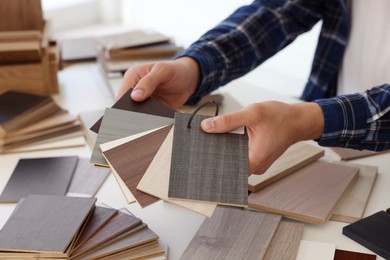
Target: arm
x=360 y=121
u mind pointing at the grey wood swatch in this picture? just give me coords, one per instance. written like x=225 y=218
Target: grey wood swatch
x=46 y=176
x=87 y=178
x=119 y=123
x=45 y=223
x=233 y=233
x=208 y=167
x=309 y=194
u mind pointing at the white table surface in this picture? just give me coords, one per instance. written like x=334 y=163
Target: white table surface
x=83 y=89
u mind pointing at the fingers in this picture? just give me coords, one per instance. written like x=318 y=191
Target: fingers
x=224 y=123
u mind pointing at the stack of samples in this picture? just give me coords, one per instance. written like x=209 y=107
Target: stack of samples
x=57 y=227
x=28 y=59
x=31 y=122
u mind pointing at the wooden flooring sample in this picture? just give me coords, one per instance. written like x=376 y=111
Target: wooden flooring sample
x=309 y=250
x=45 y=223
x=119 y=224
x=146 y=251
x=372 y=232
x=352 y=204
x=208 y=167
x=156 y=180
x=99 y=218
x=294 y=158
x=87 y=179
x=348 y=255
x=285 y=242
x=46 y=176
x=87 y=119
x=149 y=107
x=119 y=123
x=350 y=154
x=131 y=160
x=139 y=238
x=309 y=194
x=19 y=15
x=233 y=233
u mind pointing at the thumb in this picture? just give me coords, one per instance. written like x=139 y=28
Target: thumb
x=224 y=123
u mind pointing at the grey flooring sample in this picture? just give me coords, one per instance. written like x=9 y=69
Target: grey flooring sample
x=233 y=233
x=87 y=178
x=120 y=123
x=208 y=167
x=46 y=176
x=45 y=223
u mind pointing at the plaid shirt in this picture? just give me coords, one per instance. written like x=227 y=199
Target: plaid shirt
x=255 y=32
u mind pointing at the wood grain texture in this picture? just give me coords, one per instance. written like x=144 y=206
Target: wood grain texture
x=156 y=180
x=349 y=255
x=285 y=242
x=131 y=160
x=119 y=224
x=233 y=233
x=139 y=238
x=149 y=107
x=18 y=15
x=119 y=123
x=309 y=250
x=87 y=178
x=309 y=195
x=352 y=204
x=294 y=158
x=372 y=232
x=350 y=154
x=46 y=176
x=98 y=219
x=45 y=223
x=208 y=167
x=146 y=251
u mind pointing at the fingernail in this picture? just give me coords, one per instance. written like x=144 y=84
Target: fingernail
x=208 y=124
x=137 y=93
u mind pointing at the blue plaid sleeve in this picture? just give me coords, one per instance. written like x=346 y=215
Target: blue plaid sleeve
x=359 y=121
x=248 y=37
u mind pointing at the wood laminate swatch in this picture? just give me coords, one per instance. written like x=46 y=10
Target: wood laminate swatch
x=149 y=106
x=99 y=218
x=87 y=119
x=87 y=179
x=348 y=255
x=352 y=204
x=146 y=251
x=350 y=154
x=46 y=176
x=233 y=233
x=309 y=250
x=372 y=232
x=208 y=167
x=20 y=15
x=156 y=180
x=131 y=160
x=139 y=238
x=285 y=242
x=119 y=224
x=294 y=158
x=45 y=223
x=119 y=123
x=310 y=194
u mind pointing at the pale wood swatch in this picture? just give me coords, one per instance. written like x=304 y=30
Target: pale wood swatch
x=352 y=204
x=156 y=180
x=350 y=154
x=131 y=159
x=285 y=242
x=45 y=176
x=119 y=123
x=45 y=223
x=147 y=251
x=310 y=194
x=233 y=233
x=208 y=167
x=309 y=250
x=294 y=158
